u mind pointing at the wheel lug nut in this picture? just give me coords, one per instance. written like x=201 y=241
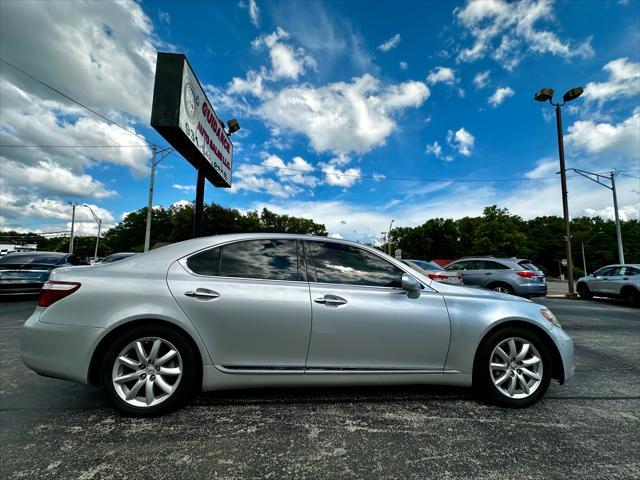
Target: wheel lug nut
x=143 y=376
x=158 y=369
x=153 y=377
x=519 y=371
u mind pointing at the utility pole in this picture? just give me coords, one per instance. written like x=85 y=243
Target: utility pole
x=73 y=222
x=166 y=152
x=617 y=217
x=595 y=177
x=99 y=222
x=389 y=238
x=546 y=94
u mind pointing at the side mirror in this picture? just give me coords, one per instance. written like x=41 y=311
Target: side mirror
x=410 y=284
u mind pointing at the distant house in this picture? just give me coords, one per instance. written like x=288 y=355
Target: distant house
x=442 y=262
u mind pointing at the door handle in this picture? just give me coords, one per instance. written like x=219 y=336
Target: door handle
x=330 y=300
x=202 y=293
x=488 y=273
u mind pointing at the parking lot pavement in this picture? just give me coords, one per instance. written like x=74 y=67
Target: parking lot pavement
x=588 y=428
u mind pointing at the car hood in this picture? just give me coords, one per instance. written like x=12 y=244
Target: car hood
x=469 y=291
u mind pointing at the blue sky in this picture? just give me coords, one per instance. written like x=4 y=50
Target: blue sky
x=436 y=91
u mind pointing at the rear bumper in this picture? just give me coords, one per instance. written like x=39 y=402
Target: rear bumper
x=59 y=351
x=531 y=290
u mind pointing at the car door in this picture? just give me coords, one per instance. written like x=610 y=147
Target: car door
x=363 y=320
x=598 y=284
x=470 y=270
x=613 y=281
x=249 y=300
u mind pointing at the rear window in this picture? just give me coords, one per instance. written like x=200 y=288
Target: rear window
x=426 y=265
x=529 y=266
x=13 y=258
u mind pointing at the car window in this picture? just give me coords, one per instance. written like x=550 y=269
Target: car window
x=631 y=271
x=456 y=266
x=489 y=265
x=345 y=264
x=264 y=259
x=426 y=265
x=205 y=263
x=615 y=272
x=53 y=259
x=604 y=272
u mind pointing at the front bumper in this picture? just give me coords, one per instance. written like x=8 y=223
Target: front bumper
x=60 y=351
x=565 y=348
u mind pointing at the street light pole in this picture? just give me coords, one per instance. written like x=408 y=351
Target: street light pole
x=73 y=223
x=154 y=163
x=389 y=238
x=595 y=177
x=565 y=201
x=546 y=94
x=99 y=222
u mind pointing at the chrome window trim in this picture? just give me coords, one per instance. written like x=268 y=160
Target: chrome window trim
x=183 y=262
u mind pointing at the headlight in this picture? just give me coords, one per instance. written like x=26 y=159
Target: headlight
x=548 y=314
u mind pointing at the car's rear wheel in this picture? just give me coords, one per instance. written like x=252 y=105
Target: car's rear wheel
x=149 y=370
x=631 y=296
x=502 y=288
x=513 y=368
x=584 y=292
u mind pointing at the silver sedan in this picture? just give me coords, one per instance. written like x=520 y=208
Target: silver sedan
x=256 y=310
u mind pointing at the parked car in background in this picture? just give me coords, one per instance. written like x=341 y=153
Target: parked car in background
x=506 y=275
x=114 y=257
x=614 y=281
x=25 y=273
x=434 y=271
x=235 y=311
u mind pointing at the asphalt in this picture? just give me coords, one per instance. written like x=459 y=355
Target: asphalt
x=588 y=428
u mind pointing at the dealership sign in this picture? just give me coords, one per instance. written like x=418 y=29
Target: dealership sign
x=182 y=114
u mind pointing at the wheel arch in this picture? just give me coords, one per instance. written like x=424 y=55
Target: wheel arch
x=93 y=375
x=557 y=367
x=495 y=283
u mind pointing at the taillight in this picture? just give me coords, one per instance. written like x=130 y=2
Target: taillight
x=437 y=276
x=527 y=274
x=53 y=290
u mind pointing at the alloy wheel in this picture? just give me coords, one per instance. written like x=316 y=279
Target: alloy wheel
x=147 y=372
x=516 y=368
x=501 y=289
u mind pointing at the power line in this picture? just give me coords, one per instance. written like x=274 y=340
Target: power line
x=73 y=100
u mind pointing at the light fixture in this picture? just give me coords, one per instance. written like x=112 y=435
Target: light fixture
x=543 y=95
x=233 y=126
x=572 y=94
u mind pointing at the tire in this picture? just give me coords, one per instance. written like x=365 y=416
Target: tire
x=172 y=381
x=631 y=296
x=486 y=377
x=502 y=288
x=584 y=292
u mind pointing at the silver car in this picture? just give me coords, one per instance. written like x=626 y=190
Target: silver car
x=615 y=281
x=256 y=310
x=506 y=275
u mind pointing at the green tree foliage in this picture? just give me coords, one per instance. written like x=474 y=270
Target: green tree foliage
x=501 y=234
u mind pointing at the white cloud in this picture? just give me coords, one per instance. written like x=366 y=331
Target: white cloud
x=595 y=138
x=461 y=140
x=390 y=44
x=514 y=26
x=184 y=188
x=624 y=81
x=500 y=95
x=404 y=65
x=164 y=17
x=434 y=149
x=253 y=84
x=254 y=13
x=286 y=62
x=442 y=75
x=481 y=79
x=343 y=117
x=341 y=178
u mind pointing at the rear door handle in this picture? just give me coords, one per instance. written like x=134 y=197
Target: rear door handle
x=331 y=300
x=202 y=293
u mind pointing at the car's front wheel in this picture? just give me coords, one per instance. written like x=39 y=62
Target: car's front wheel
x=584 y=292
x=149 y=370
x=513 y=368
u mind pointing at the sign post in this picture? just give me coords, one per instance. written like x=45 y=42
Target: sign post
x=183 y=115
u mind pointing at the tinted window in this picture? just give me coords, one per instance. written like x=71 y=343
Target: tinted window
x=426 y=265
x=339 y=263
x=488 y=265
x=52 y=259
x=603 y=272
x=205 y=263
x=266 y=259
x=631 y=271
x=466 y=265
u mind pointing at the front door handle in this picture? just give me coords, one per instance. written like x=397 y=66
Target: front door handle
x=488 y=273
x=202 y=293
x=331 y=300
